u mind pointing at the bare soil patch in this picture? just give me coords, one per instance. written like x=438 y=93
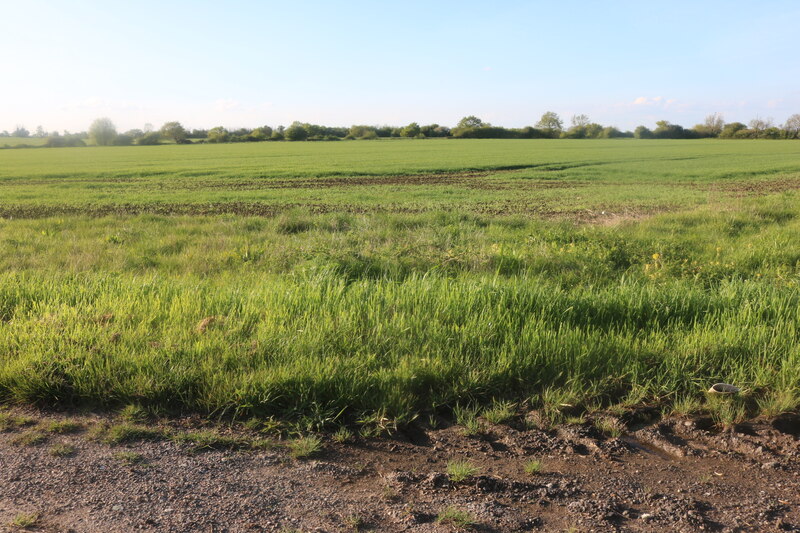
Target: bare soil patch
x=464 y=179
x=260 y=209
x=672 y=475
x=756 y=188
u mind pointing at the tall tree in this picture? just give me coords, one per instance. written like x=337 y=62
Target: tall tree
x=551 y=123
x=471 y=122
x=714 y=124
x=579 y=121
x=218 y=135
x=174 y=131
x=759 y=124
x=103 y=132
x=792 y=126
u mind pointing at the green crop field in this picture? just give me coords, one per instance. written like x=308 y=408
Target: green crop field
x=12 y=142
x=341 y=282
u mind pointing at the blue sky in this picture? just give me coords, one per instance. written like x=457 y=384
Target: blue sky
x=340 y=63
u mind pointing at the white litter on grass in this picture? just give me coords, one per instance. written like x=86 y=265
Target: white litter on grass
x=723 y=388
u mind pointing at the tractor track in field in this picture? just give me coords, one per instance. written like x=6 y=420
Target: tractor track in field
x=598 y=215
x=751 y=187
x=757 y=188
x=474 y=179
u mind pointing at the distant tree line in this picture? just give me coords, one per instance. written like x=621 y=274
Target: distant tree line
x=102 y=132
x=715 y=126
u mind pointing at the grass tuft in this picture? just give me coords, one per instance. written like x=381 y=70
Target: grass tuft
x=355 y=522
x=610 y=427
x=342 y=435
x=25 y=520
x=305 y=446
x=134 y=413
x=778 y=402
x=61 y=427
x=467 y=418
x=533 y=467
x=727 y=412
x=61 y=450
x=129 y=458
x=124 y=433
x=687 y=405
x=10 y=422
x=29 y=438
x=459 y=471
x=452 y=516
x=499 y=412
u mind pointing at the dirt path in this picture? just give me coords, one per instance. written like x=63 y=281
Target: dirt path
x=669 y=476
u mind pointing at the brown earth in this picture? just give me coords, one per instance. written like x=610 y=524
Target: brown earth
x=465 y=178
x=468 y=180
x=753 y=188
x=259 y=209
x=670 y=475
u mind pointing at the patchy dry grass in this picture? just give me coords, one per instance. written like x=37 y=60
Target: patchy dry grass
x=29 y=438
x=61 y=450
x=129 y=458
x=61 y=427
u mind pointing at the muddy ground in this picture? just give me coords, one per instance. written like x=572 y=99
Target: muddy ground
x=669 y=475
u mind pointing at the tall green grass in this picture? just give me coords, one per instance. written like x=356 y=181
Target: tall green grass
x=342 y=317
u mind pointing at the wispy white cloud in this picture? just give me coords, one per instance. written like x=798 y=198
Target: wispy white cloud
x=225 y=104
x=653 y=101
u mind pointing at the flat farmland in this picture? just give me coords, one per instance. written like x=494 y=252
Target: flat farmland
x=544 y=177
x=375 y=283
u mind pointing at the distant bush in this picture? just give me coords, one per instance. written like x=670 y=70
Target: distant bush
x=218 y=135
x=362 y=132
x=412 y=130
x=64 y=141
x=611 y=132
x=296 y=132
x=149 y=139
x=435 y=130
x=667 y=130
x=730 y=130
x=386 y=131
x=122 y=140
x=260 y=134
